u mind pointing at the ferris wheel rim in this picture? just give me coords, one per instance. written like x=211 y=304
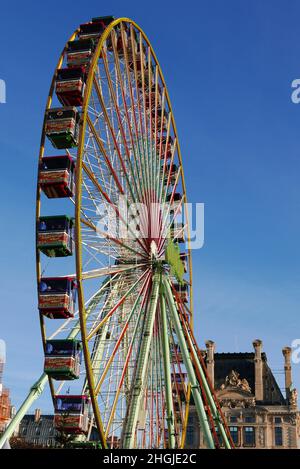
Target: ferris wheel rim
x=78 y=245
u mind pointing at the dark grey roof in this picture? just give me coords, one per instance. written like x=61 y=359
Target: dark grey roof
x=243 y=363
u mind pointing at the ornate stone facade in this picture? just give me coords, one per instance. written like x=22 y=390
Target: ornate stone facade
x=258 y=415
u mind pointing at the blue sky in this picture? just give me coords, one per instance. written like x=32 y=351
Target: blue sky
x=229 y=67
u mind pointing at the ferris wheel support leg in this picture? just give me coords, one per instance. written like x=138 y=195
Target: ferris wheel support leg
x=35 y=391
x=189 y=367
x=128 y=436
x=167 y=374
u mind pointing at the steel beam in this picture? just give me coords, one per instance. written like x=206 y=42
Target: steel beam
x=188 y=365
x=140 y=378
x=167 y=373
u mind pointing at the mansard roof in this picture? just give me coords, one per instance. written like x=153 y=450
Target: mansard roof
x=243 y=363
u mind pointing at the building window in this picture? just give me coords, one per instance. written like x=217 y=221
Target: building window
x=249 y=419
x=233 y=419
x=190 y=436
x=277 y=419
x=249 y=436
x=234 y=431
x=220 y=439
x=278 y=436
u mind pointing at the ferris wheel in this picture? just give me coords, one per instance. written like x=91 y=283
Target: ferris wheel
x=114 y=272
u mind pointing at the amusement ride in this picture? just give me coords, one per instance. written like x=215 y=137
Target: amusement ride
x=113 y=257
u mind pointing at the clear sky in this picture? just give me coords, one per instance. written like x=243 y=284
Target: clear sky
x=229 y=67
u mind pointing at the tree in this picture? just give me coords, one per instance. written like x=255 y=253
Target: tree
x=17 y=442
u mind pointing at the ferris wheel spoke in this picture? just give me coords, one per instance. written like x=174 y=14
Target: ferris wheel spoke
x=166 y=223
x=96 y=273
x=161 y=117
x=116 y=144
x=173 y=189
x=135 y=173
x=110 y=313
x=93 y=253
x=133 y=103
x=128 y=356
x=147 y=83
x=129 y=429
x=104 y=153
x=144 y=113
x=138 y=300
x=161 y=186
x=105 y=315
x=143 y=132
x=136 y=109
x=121 y=127
x=111 y=238
x=157 y=168
x=148 y=104
x=154 y=130
x=93 y=161
x=90 y=304
x=110 y=203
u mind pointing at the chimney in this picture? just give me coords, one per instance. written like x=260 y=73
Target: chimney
x=37 y=415
x=259 y=391
x=210 y=360
x=287 y=351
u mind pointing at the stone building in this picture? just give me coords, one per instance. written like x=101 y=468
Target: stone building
x=6 y=408
x=258 y=414
x=38 y=429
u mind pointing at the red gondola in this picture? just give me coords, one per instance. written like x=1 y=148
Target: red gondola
x=150 y=98
x=146 y=73
x=55 y=235
x=57 y=176
x=57 y=297
x=62 y=126
x=172 y=173
x=70 y=86
x=177 y=232
x=184 y=257
x=164 y=145
x=93 y=29
x=63 y=359
x=79 y=53
x=71 y=413
x=182 y=291
x=177 y=198
x=161 y=120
